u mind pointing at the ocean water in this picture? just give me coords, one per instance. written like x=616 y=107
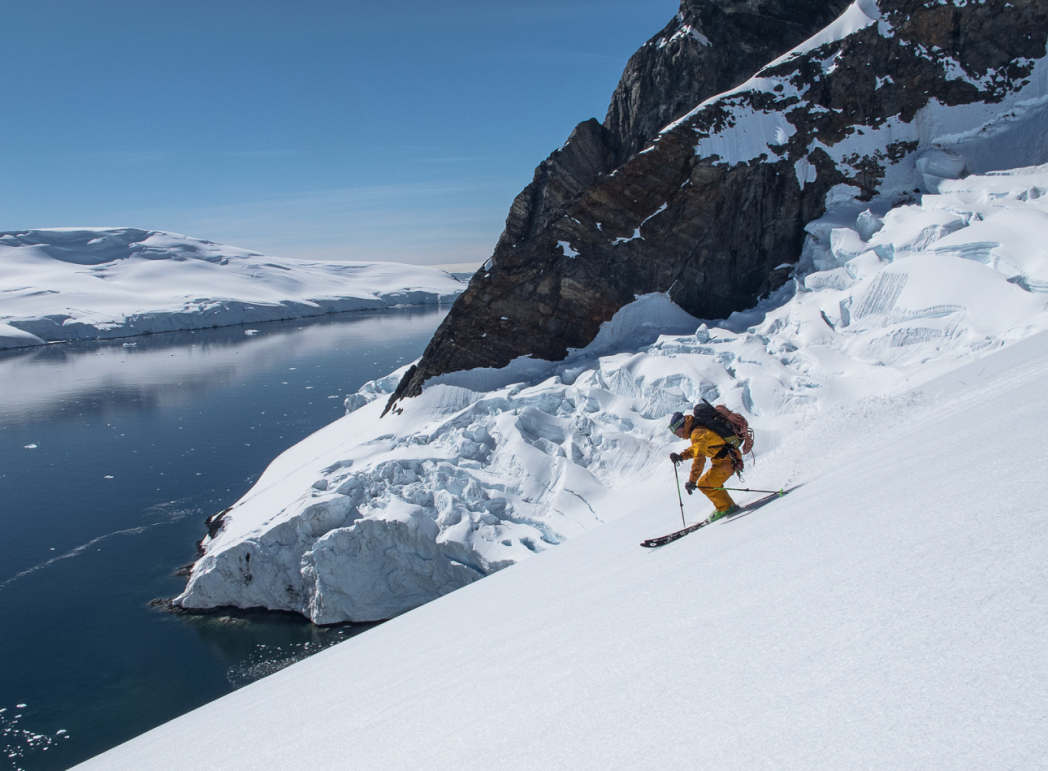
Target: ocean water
x=111 y=458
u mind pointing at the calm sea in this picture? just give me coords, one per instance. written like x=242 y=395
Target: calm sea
x=111 y=457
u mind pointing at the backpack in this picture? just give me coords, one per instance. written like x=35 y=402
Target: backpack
x=729 y=426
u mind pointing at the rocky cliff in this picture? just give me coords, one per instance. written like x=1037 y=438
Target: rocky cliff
x=700 y=185
x=674 y=71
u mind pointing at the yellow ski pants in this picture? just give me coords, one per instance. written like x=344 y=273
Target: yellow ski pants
x=720 y=471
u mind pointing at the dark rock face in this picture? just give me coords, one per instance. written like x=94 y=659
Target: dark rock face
x=586 y=155
x=708 y=48
x=711 y=208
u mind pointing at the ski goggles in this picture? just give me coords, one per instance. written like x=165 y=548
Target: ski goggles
x=676 y=422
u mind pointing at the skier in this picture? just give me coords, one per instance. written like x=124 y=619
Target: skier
x=723 y=461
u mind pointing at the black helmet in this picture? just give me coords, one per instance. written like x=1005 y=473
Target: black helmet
x=676 y=421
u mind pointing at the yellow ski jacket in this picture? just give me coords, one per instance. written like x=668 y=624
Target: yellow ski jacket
x=704 y=444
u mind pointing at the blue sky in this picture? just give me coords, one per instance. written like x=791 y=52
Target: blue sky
x=304 y=128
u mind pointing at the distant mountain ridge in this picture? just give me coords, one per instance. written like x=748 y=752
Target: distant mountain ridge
x=711 y=205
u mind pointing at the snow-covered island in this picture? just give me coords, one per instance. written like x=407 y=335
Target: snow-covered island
x=92 y=283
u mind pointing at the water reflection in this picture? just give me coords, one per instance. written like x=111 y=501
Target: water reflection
x=147 y=373
x=111 y=458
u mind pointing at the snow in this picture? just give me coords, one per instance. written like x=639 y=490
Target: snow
x=85 y=283
x=888 y=612
x=634 y=237
x=748 y=135
x=373 y=516
x=686 y=30
x=859 y=15
x=566 y=249
x=983 y=136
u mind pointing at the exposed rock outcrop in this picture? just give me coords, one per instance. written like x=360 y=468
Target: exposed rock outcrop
x=714 y=207
x=708 y=48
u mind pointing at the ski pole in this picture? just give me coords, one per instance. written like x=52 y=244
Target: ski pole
x=743 y=490
x=675 y=475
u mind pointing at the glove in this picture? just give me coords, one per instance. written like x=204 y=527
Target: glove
x=677 y=460
x=689 y=488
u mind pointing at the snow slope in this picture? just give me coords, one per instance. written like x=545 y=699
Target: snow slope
x=68 y=284
x=373 y=516
x=888 y=613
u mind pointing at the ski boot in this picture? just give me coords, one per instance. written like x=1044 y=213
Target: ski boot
x=721 y=514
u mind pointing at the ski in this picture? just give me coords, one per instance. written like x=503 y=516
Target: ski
x=652 y=543
x=665 y=539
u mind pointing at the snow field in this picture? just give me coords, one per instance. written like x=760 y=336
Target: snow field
x=887 y=613
x=373 y=516
x=72 y=284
